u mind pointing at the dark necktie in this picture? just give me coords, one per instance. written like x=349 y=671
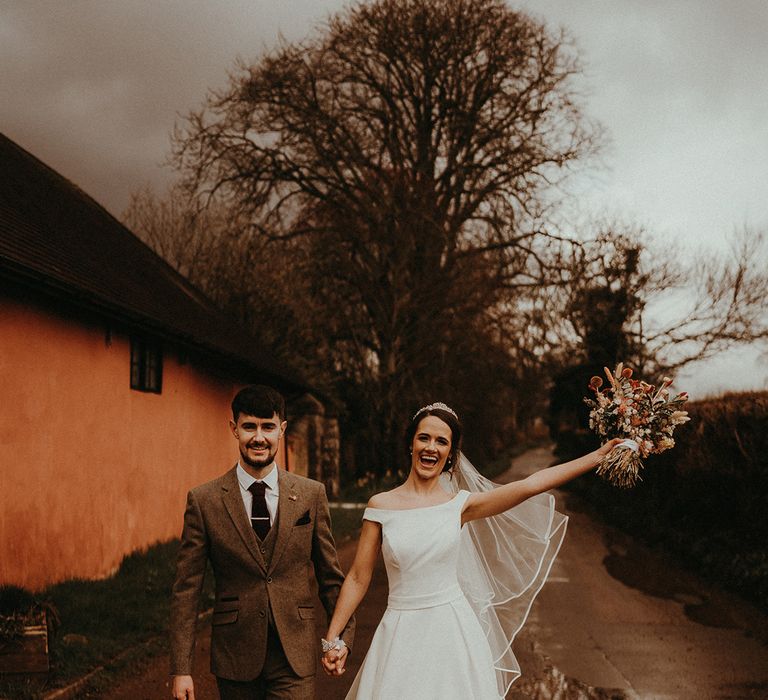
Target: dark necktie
x=259 y=512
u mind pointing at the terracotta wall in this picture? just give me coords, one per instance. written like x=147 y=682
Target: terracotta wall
x=89 y=469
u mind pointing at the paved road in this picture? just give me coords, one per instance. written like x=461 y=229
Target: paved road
x=615 y=620
x=617 y=615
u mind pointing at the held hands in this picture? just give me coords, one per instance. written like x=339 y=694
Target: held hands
x=333 y=661
x=334 y=658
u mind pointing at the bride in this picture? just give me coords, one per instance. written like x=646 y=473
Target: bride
x=464 y=558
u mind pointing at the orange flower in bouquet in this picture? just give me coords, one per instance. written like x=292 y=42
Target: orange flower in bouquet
x=645 y=416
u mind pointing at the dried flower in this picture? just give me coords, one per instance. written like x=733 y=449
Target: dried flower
x=636 y=411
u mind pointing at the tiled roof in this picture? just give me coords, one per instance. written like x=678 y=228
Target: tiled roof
x=54 y=236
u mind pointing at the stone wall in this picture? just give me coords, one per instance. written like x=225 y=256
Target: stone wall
x=313 y=442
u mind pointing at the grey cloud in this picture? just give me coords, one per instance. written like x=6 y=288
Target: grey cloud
x=94 y=87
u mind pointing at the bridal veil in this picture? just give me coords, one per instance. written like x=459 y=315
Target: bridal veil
x=503 y=563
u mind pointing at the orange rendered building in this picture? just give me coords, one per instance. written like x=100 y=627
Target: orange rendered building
x=115 y=383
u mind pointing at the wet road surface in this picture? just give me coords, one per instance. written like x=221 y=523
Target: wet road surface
x=620 y=617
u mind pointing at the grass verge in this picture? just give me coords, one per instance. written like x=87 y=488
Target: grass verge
x=119 y=622
x=100 y=620
x=346 y=523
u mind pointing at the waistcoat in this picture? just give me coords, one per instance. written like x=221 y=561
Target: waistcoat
x=267 y=546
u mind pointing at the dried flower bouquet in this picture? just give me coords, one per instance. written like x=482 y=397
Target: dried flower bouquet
x=643 y=415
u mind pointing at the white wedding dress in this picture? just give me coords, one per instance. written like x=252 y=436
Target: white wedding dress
x=431 y=642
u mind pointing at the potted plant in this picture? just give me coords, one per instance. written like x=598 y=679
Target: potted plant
x=25 y=626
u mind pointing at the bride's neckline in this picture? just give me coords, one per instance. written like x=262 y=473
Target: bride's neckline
x=403 y=510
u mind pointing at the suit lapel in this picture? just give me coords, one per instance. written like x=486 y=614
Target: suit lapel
x=287 y=508
x=233 y=502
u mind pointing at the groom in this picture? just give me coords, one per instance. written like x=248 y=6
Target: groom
x=261 y=528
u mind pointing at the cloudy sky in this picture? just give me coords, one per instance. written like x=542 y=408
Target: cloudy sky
x=94 y=87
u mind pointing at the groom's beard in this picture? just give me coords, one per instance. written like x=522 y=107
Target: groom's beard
x=258 y=463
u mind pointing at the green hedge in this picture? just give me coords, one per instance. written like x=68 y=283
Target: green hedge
x=705 y=500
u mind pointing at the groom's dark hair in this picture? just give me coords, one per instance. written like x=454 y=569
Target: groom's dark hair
x=258 y=400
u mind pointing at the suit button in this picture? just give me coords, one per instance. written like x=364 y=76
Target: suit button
x=262 y=613
x=263 y=550
x=269 y=579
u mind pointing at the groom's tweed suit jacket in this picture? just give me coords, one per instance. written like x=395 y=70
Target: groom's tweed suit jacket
x=251 y=586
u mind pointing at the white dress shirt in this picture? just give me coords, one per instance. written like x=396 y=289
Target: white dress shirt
x=271 y=493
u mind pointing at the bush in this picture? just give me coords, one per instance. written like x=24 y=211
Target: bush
x=19 y=608
x=705 y=500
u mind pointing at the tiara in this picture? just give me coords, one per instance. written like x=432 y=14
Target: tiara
x=440 y=405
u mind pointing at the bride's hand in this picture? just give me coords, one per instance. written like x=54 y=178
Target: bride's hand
x=603 y=450
x=333 y=661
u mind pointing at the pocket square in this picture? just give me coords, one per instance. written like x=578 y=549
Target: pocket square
x=304 y=519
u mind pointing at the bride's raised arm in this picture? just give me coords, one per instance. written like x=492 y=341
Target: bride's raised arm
x=483 y=505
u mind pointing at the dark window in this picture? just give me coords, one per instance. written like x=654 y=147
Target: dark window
x=146 y=366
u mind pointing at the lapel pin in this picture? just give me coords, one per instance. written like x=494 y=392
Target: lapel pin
x=292 y=497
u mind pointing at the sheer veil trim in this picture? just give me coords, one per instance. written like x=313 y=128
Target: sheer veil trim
x=504 y=561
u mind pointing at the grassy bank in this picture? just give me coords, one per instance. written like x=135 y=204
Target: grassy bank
x=99 y=620
x=705 y=500
x=120 y=621
x=346 y=523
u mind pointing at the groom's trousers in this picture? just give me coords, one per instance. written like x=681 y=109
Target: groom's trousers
x=276 y=682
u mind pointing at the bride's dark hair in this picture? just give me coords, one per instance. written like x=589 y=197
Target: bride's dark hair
x=450 y=419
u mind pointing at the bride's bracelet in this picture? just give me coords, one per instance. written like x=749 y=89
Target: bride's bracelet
x=337 y=644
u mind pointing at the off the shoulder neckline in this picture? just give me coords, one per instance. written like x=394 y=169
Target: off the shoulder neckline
x=405 y=510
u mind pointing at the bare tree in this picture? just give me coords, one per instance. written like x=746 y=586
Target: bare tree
x=626 y=300
x=618 y=298
x=199 y=244
x=723 y=304
x=412 y=144
x=261 y=287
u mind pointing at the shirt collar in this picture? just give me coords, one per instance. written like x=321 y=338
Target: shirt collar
x=246 y=479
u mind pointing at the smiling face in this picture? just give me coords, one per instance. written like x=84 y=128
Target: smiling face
x=431 y=447
x=258 y=440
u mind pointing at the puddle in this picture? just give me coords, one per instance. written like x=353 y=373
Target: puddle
x=551 y=684
x=637 y=567
x=541 y=680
